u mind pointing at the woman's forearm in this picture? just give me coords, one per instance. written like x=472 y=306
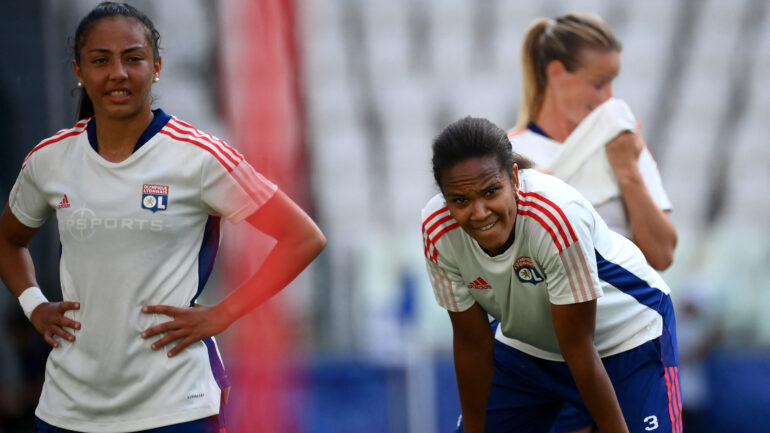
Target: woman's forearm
x=474 y=354
x=596 y=389
x=298 y=243
x=16 y=267
x=651 y=228
x=474 y=368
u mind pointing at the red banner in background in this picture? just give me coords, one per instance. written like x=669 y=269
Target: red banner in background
x=260 y=90
x=260 y=94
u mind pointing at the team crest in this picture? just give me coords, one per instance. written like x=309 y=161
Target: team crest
x=525 y=270
x=154 y=197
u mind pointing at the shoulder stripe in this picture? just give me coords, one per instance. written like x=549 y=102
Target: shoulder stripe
x=434 y=215
x=186 y=128
x=259 y=188
x=195 y=131
x=432 y=241
x=438 y=223
x=78 y=129
x=551 y=217
x=227 y=164
x=545 y=225
x=555 y=222
x=557 y=209
x=441 y=222
x=190 y=132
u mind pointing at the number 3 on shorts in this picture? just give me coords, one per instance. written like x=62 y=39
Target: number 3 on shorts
x=652 y=423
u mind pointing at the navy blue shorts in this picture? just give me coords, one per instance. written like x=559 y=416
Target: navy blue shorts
x=203 y=425
x=528 y=393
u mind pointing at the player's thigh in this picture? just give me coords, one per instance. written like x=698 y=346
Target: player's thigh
x=648 y=391
x=525 y=394
x=573 y=418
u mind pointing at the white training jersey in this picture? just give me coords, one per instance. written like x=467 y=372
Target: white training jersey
x=143 y=231
x=542 y=151
x=563 y=253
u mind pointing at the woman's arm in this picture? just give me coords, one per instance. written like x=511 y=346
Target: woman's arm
x=16 y=265
x=474 y=349
x=299 y=241
x=651 y=227
x=574 y=325
x=18 y=273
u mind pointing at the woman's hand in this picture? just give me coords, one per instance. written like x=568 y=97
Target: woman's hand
x=474 y=357
x=298 y=242
x=575 y=325
x=623 y=153
x=49 y=320
x=651 y=228
x=187 y=326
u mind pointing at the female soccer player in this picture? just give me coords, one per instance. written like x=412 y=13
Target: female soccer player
x=568 y=66
x=138 y=195
x=583 y=319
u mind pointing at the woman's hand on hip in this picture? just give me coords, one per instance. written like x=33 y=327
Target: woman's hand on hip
x=49 y=319
x=187 y=325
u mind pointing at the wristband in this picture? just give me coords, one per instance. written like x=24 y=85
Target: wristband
x=30 y=298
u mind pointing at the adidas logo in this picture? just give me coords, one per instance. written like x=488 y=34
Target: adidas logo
x=479 y=284
x=64 y=203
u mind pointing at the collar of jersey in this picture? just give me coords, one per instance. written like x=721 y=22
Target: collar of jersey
x=158 y=122
x=537 y=130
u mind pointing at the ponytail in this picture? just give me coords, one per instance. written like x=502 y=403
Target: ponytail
x=533 y=79
x=562 y=39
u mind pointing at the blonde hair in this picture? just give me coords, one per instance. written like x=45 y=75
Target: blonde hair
x=562 y=39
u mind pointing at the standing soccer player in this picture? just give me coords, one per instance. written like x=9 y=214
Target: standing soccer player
x=568 y=66
x=139 y=196
x=583 y=319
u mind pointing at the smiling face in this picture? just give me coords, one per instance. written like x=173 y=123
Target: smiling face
x=481 y=197
x=579 y=92
x=116 y=66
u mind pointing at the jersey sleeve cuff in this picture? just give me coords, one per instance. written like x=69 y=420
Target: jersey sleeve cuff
x=27 y=220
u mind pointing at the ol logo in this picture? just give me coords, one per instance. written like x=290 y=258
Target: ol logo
x=525 y=270
x=154 y=197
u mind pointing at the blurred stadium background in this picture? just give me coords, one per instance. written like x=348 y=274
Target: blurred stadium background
x=337 y=101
